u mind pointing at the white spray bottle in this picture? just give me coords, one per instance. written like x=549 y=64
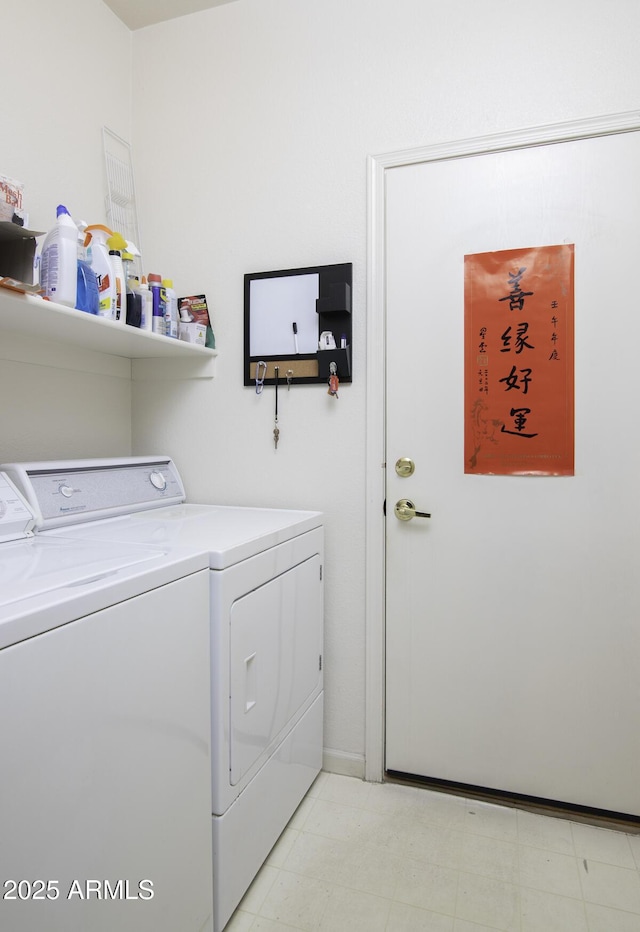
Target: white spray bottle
x=98 y=257
x=88 y=298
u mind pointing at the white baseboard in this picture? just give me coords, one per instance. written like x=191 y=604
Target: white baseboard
x=349 y=765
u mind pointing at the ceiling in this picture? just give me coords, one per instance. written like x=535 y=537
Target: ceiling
x=138 y=13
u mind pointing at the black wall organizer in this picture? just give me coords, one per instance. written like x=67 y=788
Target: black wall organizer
x=317 y=300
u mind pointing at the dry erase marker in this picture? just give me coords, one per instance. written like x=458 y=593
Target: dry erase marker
x=295 y=337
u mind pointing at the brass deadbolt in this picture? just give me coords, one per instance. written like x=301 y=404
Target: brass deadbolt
x=405 y=467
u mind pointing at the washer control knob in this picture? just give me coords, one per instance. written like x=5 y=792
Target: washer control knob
x=158 y=481
x=66 y=490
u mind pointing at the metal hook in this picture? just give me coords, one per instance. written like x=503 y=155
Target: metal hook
x=289 y=374
x=260 y=367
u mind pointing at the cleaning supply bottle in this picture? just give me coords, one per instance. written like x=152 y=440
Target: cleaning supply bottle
x=116 y=243
x=59 y=260
x=115 y=261
x=171 y=312
x=134 y=296
x=146 y=320
x=87 y=297
x=96 y=236
x=159 y=304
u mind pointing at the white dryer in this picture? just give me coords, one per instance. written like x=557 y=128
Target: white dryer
x=104 y=719
x=266 y=625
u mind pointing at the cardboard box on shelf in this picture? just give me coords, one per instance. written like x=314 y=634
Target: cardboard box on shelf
x=11 y=192
x=17 y=251
x=192 y=333
x=193 y=309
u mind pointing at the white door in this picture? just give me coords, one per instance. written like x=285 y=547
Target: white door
x=513 y=612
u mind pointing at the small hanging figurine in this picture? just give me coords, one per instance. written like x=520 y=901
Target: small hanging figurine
x=334 y=382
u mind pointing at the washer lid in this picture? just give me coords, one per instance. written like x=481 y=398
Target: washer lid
x=46 y=582
x=39 y=565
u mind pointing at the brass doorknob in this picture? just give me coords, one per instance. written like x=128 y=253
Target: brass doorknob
x=405 y=510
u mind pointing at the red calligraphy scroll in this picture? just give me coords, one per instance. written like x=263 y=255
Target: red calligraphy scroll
x=519 y=362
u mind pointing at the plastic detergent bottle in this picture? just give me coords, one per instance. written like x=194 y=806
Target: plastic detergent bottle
x=59 y=260
x=159 y=304
x=96 y=236
x=171 y=311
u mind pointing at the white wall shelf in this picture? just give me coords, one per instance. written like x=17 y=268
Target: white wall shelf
x=40 y=320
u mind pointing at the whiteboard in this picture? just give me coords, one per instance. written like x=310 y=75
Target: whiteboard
x=276 y=305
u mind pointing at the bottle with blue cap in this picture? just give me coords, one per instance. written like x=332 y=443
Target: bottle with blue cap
x=59 y=260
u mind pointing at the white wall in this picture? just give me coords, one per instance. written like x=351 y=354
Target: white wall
x=65 y=72
x=252 y=123
x=251 y=127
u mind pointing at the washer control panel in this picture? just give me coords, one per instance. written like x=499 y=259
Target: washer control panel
x=158 y=480
x=16 y=518
x=86 y=490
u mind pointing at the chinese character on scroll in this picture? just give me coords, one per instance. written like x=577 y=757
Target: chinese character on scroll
x=519 y=362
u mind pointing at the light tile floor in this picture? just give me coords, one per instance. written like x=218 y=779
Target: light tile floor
x=390 y=858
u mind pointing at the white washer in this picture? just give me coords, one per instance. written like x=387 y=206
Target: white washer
x=103 y=721
x=266 y=618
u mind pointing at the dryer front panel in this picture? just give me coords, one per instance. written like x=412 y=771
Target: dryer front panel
x=275 y=637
